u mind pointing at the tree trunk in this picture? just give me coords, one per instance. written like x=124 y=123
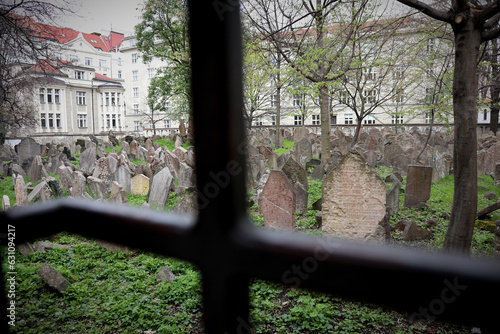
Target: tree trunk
x=495 y=89
x=357 y=132
x=459 y=235
x=325 y=124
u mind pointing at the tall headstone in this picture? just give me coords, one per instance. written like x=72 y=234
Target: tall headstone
x=185 y=178
x=295 y=172
x=88 y=160
x=27 y=149
x=303 y=151
x=36 y=170
x=277 y=202
x=160 y=188
x=354 y=198
x=497 y=175
x=418 y=186
x=20 y=190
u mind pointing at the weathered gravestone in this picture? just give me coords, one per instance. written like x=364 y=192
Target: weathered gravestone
x=20 y=190
x=277 y=202
x=295 y=172
x=27 y=149
x=36 y=170
x=354 y=198
x=53 y=278
x=303 y=151
x=139 y=185
x=160 y=188
x=87 y=161
x=185 y=178
x=97 y=187
x=418 y=186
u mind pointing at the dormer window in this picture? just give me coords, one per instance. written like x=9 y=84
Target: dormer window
x=79 y=75
x=93 y=41
x=63 y=35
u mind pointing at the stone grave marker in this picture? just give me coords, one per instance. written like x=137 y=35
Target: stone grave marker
x=139 y=185
x=53 y=278
x=303 y=151
x=160 y=188
x=118 y=194
x=79 y=185
x=295 y=172
x=88 y=160
x=354 y=201
x=418 y=186
x=36 y=170
x=497 y=175
x=185 y=178
x=20 y=190
x=97 y=187
x=27 y=149
x=277 y=202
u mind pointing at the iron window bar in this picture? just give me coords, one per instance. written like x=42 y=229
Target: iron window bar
x=225 y=246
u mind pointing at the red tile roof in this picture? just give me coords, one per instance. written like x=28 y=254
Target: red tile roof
x=103 y=77
x=45 y=66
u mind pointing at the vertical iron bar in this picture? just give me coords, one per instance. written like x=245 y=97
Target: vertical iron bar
x=215 y=34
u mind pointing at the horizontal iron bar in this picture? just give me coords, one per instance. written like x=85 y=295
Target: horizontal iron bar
x=428 y=285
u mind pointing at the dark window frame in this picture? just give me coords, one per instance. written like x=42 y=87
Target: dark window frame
x=224 y=244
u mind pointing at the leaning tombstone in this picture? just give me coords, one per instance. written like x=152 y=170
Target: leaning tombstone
x=21 y=191
x=118 y=194
x=295 y=172
x=354 y=198
x=5 y=203
x=88 y=160
x=26 y=150
x=418 y=186
x=53 y=278
x=160 y=188
x=277 y=202
x=393 y=198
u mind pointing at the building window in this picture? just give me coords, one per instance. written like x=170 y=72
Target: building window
x=299 y=100
x=273 y=120
x=81 y=98
x=297 y=120
x=102 y=63
x=58 y=55
x=120 y=63
x=428 y=117
x=397 y=119
x=108 y=121
x=58 y=120
x=119 y=74
x=258 y=121
x=79 y=75
x=42 y=95
x=136 y=109
x=88 y=61
x=57 y=98
x=137 y=126
x=430 y=44
x=370 y=96
x=398 y=72
x=113 y=99
x=348 y=118
x=43 y=120
x=73 y=58
x=82 y=121
x=430 y=70
x=134 y=58
x=370 y=73
x=344 y=97
x=316 y=120
x=399 y=96
x=51 y=120
x=274 y=100
x=151 y=73
x=117 y=99
x=135 y=92
x=119 y=120
x=106 y=98
x=369 y=119
x=429 y=96
x=49 y=95
x=135 y=75
x=113 y=120
x=398 y=45
x=166 y=123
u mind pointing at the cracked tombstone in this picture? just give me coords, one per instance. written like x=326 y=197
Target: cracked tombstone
x=354 y=201
x=160 y=188
x=277 y=202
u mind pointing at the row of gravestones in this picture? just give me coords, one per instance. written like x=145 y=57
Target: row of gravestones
x=384 y=148
x=106 y=176
x=355 y=203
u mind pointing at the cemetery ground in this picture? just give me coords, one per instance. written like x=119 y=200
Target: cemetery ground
x=119 y=292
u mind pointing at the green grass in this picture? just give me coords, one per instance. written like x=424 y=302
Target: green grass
x=116 y=292
x=170 y=144
x=287 y=146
